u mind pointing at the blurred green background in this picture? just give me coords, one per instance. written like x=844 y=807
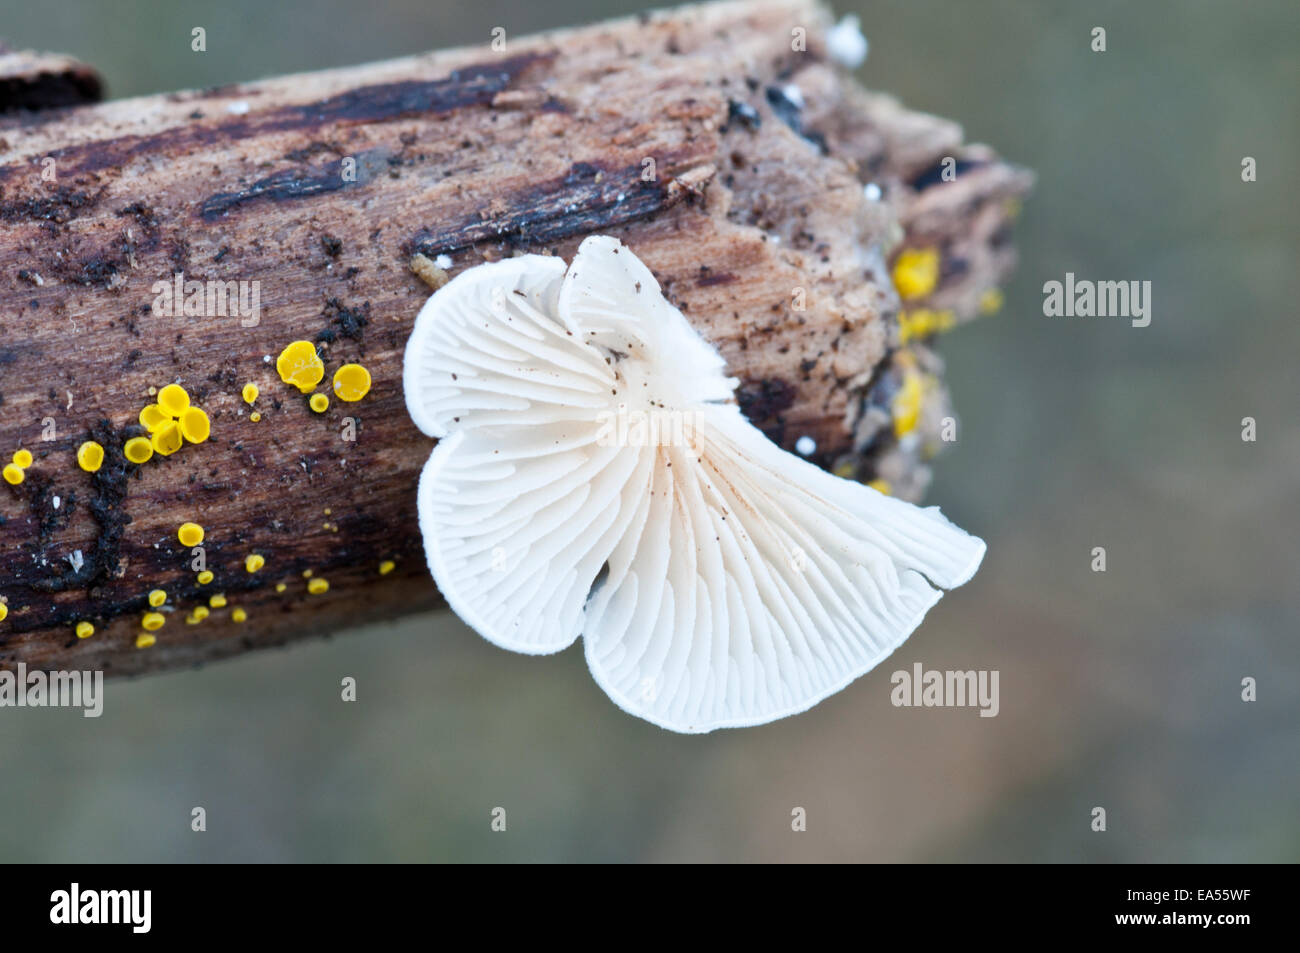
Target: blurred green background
x=1119 y=690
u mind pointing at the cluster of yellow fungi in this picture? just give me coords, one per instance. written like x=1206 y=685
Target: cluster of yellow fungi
x=172 y=422
x=300 y=365
x=15 y=472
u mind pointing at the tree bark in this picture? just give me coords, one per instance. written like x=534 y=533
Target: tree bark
x=730 y=160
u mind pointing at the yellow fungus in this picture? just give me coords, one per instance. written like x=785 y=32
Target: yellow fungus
x=991 y=301
x=173 y=399
x=327 y=511
x=198 y=615
x=138 y=450
x=255 y=416
x=306 y=574
x=23 y=458
x=144 y=640
x=218 y=601
x=4 y=611
x=922 y=323
x=90 y=456
x=205 y=577
x=250 y=392
x=300 y=365
x=85 y=630
x=157 y=597
x=844 y=469
x=190 y=534
x=254 y=561
x=153 y=417
x=280 y=587
x=386 y=567
x=318 y=586
x=13 y=474
x=195 y=426
x=351 y=382
x=238 y=615
x=167 y=439
x=319 y=403
x=881 y=486
x=153 y=621
x=906 y=405
x=916 y=272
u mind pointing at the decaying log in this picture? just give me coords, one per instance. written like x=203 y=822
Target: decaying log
x=31 y=81
x=729 y=158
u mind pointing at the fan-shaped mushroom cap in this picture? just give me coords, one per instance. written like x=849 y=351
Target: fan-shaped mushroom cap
x=716 y=579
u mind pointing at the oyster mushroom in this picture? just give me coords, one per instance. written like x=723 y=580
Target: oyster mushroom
x=594 y=476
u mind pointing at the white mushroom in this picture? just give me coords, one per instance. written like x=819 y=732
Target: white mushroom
x=716 y=579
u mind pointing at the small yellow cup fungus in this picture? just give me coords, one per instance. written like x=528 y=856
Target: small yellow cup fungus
x=300 y=365
x=167 y=439
x=153 y=621
x=198 y=615
x=318 y=586
x=991 y=301
x=881 y=486
x=195 y=426
x=4 y=611
x=254 y=561
x=319 y=403
x=144 y=640
x=138 y=450
x=906 y=405
x=306 y=574
x=250 y=392
x=190 y=534
x=174 y=400
x=280 y=587
x=218 y=601
x=238 y=615
x=255 y=416
x=205 y=577
x=916 y=272
x=90 y=456
x=386 y=567
x=922 y=323
x=23 y=458
x=153 y=417
x=13 y=474
x=85 y=630
x=157 y=597
x=351 y=382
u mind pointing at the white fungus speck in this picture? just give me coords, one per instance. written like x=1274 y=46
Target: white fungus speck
x=55 y=502
x=872 y=192
x=443 y=262
x=238 y=108
x=846 y=44
x=806 y=446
